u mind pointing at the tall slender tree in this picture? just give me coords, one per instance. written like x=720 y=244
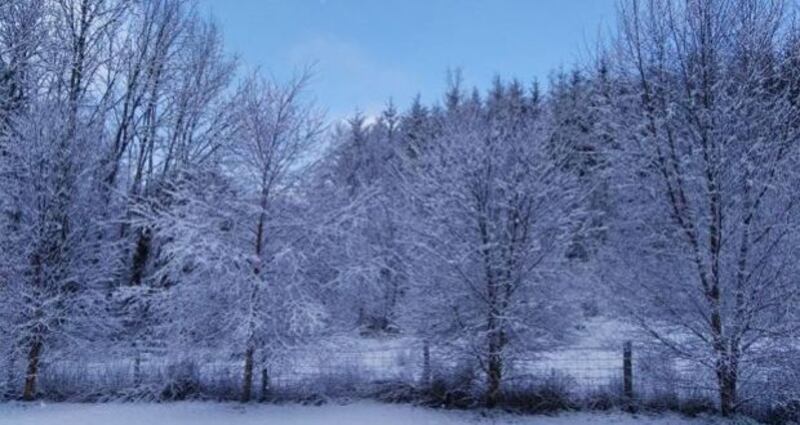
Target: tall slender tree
x=707 y=174
x=491 y=207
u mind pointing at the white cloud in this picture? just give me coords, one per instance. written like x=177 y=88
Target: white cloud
x=349 y=78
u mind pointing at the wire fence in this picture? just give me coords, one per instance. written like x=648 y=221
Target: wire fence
x=352 y=371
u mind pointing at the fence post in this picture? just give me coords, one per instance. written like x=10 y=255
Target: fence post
x=9 y=387
x=627 y=371
x=426 y=364
x=137 y=369
x=264 y=384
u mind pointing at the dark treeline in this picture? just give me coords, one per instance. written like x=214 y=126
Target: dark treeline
x=154 y=201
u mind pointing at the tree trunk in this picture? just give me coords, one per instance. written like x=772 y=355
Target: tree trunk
x=726 y=358
x=29 y=392
x=495 y=374
x=727 y=377
x=140 y=256
x=247 y=385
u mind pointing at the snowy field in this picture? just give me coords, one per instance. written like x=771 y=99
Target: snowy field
x=351 y=414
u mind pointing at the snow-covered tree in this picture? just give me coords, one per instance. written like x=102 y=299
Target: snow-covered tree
x=357 y=176
x=231 y=236
x=180 y=118
x=52 y=284
x=491 y=210
x=706 y=182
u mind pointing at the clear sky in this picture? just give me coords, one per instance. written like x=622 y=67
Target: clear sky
x=367 y=51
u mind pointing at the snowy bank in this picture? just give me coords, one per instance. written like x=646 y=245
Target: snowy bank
x=362 y=413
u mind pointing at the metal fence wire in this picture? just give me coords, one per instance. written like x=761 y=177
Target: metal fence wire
x=334 y=371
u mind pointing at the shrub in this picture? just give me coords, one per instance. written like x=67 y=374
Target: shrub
x=784 y=413
x=455 y=390
x=693 y=406
x=550 y=394
x=182 y=381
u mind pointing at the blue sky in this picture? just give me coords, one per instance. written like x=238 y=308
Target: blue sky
x=369 y=51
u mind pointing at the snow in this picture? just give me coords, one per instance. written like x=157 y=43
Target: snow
x=362 y=413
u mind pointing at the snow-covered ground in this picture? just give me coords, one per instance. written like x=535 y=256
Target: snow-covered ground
x=364 y=413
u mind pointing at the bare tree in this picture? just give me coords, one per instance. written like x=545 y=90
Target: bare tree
x=55 y=51
x=707 y=175
x=492 y=206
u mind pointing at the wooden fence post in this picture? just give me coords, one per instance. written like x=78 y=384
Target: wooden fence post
x=264 y=384
x=426 y=364
x=627 y=371
x=10 y=378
